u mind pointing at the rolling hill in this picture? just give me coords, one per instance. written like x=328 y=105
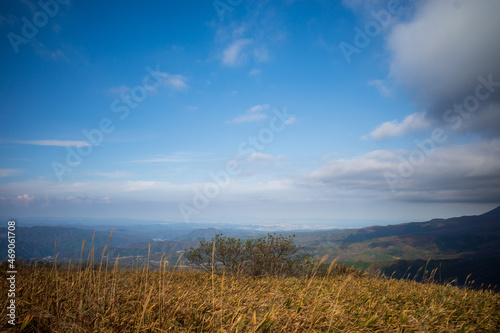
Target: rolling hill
x=467 y=237
x=461 y=248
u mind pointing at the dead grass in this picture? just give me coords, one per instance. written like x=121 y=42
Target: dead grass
x=99 y=300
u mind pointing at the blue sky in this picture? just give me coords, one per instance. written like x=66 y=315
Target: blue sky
x=250 y=111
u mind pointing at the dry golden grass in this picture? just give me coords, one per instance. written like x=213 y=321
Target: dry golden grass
x=99 y=300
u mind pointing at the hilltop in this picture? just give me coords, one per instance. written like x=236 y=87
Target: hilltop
x=84 y=300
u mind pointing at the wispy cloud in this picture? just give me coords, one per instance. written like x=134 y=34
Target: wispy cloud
x=9 y=172
x=179 y=157
x=253 y=114
x=56 y=143
x=413 y=122
x=382 y=87
x=55 y=201
x=264 y=160
x=174 y=81
x=234 y=54
x=253 y=38
x=115 y=174
x=53 y=55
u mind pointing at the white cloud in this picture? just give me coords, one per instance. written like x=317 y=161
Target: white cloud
x=362 y=172
x=54 y=201
x=269 y=186
x=57 y=143
x=251 y=39
x=142 y=185
x=253 y=114
x=258 y=108
x=412 y=122
x=439 y=54
x=178 y=157
x=115 y=174
x=453 y=173
x=9 y=172
x=24 y=199
x=175 y=81
x=260 y=157
x=382 y=87
x=264 y=160
x=458 y=173
x=153 y=190
x=234 y=54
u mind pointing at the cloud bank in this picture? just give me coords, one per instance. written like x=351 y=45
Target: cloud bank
x=440 y=55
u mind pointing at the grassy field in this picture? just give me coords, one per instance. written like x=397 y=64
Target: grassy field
x=173 y=300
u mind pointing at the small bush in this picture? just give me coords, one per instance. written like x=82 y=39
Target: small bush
x=266 y=256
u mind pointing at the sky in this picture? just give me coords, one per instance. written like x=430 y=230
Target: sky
x=341 y=112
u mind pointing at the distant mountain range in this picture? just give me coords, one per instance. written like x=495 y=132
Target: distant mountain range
x=467 y=244
x=45 y=241
x=462 y=248
x=459 y=237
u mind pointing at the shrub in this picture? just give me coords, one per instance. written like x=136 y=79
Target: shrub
x=268 y=255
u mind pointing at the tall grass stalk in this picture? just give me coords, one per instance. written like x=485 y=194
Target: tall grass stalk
x=55 y=298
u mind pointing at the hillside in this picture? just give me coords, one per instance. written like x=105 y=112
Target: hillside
x=460 y=237
x=62 y=300
x=461 y=249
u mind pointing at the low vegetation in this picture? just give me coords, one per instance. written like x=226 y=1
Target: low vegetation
x=93 y=300
x=265 y=256
x=100 y=297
